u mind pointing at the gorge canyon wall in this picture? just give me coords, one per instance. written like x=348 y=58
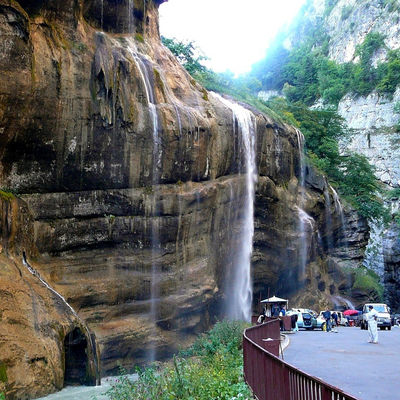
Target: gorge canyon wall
x=122 y=198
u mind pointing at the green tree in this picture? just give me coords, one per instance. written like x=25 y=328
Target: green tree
x=361 y=187
x=187 y=54
x=389 y=73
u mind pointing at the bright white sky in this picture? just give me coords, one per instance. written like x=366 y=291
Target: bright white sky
x=234 y=34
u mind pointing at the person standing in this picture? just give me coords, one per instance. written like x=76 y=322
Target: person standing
x=335 y=322
x=372 y=317
x=275 y=310
x=327 y=315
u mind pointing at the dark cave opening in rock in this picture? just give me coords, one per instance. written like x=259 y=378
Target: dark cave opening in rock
x=76 y=358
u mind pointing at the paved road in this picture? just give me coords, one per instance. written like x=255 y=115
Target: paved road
x=346 y=360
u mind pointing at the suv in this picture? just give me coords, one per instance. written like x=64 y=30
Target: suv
x=384 y=319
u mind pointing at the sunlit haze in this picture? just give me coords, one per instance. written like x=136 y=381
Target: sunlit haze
x=234 y=34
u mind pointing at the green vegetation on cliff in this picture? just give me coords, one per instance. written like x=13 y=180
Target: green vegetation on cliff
x=351 y=173
x=210 y=369
x=367 y=281
x=307 y=74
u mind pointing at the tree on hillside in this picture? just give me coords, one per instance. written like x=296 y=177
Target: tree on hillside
x=187 y=54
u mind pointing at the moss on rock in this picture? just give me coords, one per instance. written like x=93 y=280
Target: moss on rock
x=3 y=373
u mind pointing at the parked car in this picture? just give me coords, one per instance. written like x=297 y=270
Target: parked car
x=384 y=320
x=342 y=320
x=307 y=319
x=395 y=319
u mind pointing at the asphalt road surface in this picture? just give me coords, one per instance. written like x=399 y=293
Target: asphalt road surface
x=346 y=360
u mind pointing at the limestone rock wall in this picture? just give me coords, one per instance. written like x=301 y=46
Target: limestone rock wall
x=349 y=21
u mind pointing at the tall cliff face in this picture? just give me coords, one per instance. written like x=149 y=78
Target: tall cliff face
x=344 y=27
x=129 y=185
x=374 y=118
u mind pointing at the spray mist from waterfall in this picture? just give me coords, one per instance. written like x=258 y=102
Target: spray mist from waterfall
x=241 y=291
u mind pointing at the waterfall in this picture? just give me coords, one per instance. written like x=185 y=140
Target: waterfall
x=328 y=219
x=339 y=210
x=101 y=14
x=339 y=300
x=157 y=161
x=300 y=143
x=178 y=116
x=241 y=291
x=37 y=275
x=144 y=74
x=130 y=16
x=305 y=239
x=304 y=218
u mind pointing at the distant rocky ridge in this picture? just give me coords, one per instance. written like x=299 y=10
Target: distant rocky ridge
x=107 y=142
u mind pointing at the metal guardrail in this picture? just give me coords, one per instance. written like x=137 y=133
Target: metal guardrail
x=271 y=378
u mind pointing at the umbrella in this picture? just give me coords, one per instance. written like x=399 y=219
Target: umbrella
x=350 y=312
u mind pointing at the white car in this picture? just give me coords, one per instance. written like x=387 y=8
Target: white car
x=384 y=319
x=342 y=320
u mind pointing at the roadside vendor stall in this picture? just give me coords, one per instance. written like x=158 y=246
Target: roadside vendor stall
x=273 y=307
x=274 y=303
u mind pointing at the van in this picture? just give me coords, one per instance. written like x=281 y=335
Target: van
x=384 y=320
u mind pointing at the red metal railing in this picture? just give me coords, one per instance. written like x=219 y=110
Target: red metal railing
x=271 y=378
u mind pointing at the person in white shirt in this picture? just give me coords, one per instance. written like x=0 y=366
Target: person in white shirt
x=372 y=317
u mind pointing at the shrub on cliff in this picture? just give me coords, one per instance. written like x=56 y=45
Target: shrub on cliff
x=368 y=281
x=210 y=369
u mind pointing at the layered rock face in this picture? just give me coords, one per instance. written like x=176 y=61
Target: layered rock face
x=373 y=118
x=36 y=324
x=129 y=178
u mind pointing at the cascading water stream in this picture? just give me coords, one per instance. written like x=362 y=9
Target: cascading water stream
x=306 y=237
x=242 y=293
x=101 y=14
x=339 y=210
x=303 y=216
x=328 y=219
x=156 y=162
x=339 y=301
x=130 y=16
x=37 y=275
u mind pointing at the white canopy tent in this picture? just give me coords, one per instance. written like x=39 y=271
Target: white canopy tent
x=274 y=301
